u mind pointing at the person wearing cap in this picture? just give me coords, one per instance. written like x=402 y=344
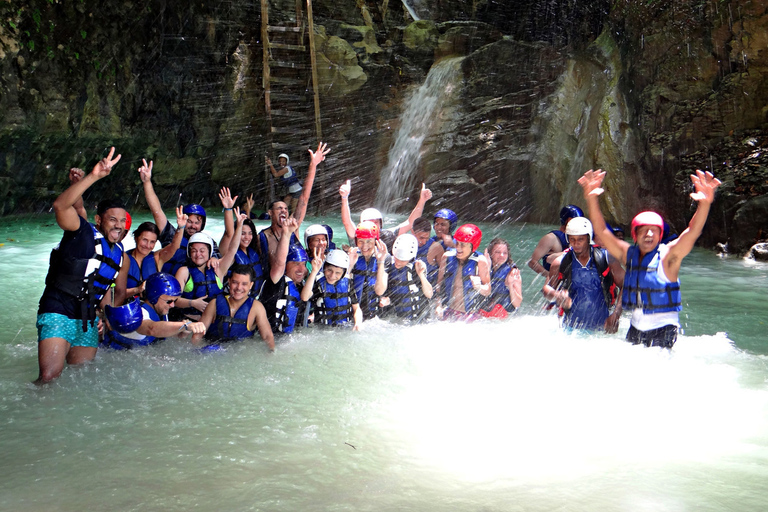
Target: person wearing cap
x=269 y=238
x=404 y=282
x=200 y=282
x=288 y=178
x=651 y=283
x=83 y=267
x=444 y=223
x=196 y=217
x=281 y=292
x=463 y=279
x=142 y=323
x=237 y=315
x=375 y=216
x=364 y=261
x=332 y=295
x=552 y=244
x=583 y=281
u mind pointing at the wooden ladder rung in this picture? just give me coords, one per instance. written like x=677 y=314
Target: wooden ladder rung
x=281 y=46
x=280 y=28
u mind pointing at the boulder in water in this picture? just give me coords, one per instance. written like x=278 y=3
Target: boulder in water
x=759 y=251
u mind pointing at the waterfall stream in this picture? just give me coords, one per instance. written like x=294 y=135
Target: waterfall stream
x=419 y=119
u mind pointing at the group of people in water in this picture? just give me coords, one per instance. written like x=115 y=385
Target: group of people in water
x=271 y=283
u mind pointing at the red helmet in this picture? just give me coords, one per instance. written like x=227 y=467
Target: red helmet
x=646 y=219
x=470 y=234
x=367 y=230
x=128 y=222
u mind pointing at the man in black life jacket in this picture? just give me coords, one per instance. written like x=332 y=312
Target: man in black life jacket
x=583 y=282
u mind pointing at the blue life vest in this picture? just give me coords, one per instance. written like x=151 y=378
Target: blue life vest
x=405 y=293
x=179 y=258
x=253 y=260
x=563 y=243
x=332 y=302
x=264 y=251
x=202 y=284
x=499 y=291
x=644 y=289
x=286 y=308
x=589 y=287
x=365 y=280
x=136 y=274
x=115 y=340
x=86 y=279
x=472 y=298
x=432 y=270
x=442 y=242
x=229 y=327
x=289 y=178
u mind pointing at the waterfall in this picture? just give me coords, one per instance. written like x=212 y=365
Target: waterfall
x=416 y=9
x=420 y=118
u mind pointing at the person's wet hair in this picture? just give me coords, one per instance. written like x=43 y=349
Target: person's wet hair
x=108 y=204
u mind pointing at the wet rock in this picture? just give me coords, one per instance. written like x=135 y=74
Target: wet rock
x=759 y=251
x=750 y=223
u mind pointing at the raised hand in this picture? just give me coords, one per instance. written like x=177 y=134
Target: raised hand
x=317 y=258
x=249 y=203
x=381 y=250
x=319 y=155
x=420 y=267
x=227 y=201
x=705 y=185
x=145 y=171
x=291 y=225
x=241 y=217
x=75 y=175
x=181 y=217
x=104 y=166
x=591 y=183
x=345 y=188
x=426 y=194
x=512 y=277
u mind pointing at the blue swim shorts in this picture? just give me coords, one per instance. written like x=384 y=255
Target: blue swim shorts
x=54 y=325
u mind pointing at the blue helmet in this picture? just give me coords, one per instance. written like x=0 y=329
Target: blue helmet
x=125 y=319
x=195 y=209
x=569 y=212
x=448 y=215
x=296 y=253
x=161 y=284
x=331 y=245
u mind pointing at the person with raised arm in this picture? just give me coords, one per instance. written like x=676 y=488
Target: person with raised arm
x=374 y=215
x=143 y=261
x=82 y=268
x=553 y=243
x=269 y=238
x=200 y=282
x=237 y=315
x=281 y=293
x=196 y=217
x=288 y=178
x=651 y=282
x=247 y=252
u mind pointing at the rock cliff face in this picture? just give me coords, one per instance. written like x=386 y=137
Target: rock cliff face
x=647 y=90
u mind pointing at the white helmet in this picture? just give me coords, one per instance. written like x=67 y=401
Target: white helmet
x=314 y=229
x=370 y=214
x=338 y=258
x=283 y=155
x=201 y=238
x=579 y=226
x=405 y=247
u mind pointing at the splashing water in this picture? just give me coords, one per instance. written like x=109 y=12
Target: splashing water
x=419 y=120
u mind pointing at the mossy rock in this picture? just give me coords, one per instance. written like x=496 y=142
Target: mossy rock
x=170 y=171
x=421 y=35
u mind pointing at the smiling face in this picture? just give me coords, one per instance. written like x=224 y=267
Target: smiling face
x=499 y=254
x=648 y=237
x=199 y=253
x=282 y=161
x=296 y=271
x=112 y=224
x=239 y=286
x=442 y=227
x=366 y=246
x=463 y=250
x=317 y=241
x=145 y=242
x=246 y=238
x=194 y=224
x=332 y=273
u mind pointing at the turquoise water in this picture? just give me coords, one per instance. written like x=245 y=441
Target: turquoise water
x=492 y=416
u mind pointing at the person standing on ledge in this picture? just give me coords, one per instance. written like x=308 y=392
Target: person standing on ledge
x=82 y=269
x=651 y=283
x=288 y=178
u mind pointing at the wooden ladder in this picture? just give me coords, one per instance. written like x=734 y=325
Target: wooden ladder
x=290 y=68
